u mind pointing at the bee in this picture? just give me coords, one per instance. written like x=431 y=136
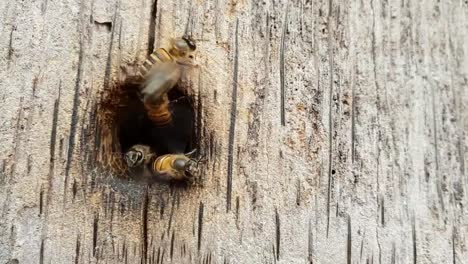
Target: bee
x=138 y=159
x=174 y=167
x=161 y=72
x=143 y=163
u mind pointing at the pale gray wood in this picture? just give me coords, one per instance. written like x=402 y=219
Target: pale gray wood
x=336 y=132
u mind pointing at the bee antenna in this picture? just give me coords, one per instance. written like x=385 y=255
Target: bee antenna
x=187 y=26
x=197 y=161
x=190 y=41
x=190 y=153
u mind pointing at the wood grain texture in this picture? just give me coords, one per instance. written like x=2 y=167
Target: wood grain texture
x=335 y=132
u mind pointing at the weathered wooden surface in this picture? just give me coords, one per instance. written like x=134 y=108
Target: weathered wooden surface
x=336 y=133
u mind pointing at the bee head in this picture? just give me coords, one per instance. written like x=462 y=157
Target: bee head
x=190 y=43
x=180 y=164
x=185 y=44
x=134 y=156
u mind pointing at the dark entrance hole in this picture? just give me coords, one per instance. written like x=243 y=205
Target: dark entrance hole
x=124 y=122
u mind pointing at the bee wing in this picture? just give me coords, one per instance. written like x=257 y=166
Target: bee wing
x=161 y=78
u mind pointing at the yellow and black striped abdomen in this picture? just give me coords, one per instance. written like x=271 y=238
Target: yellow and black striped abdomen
x=158 y=56
x=160 y=74
x=160 y=112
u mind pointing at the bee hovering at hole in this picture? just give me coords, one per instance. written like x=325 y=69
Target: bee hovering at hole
x=155 y=142
x=162 y=71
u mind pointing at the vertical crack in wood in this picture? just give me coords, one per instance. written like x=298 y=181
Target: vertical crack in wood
x=34 y=86
x=152 y=246
x=232 y=126
x=152 y=26
x=119 y=40
x=2 y=171
x=377 y=88
x=95 y=232
x=153 y=256
x=278 y=234
x=74 y=189
x=434 y=127
x=454 y=252
x=162 y=206
x=349 y=243
x=53 y=143
x=172 y=244
x=374 y=59
x=353 y=124
x=41 y=252
x=200 y=225
x=330 y=116
x=438 y=181
x=77 y=249
x=158 y=255
x=199 y=121
x=44 y=7
x=211 y=145
x=273 y=251
x=310 y=245
x=84 y=143
x=379 y=246
x=16 y=140
x=125 y=251
x=162 y=255
x=362 y=246
x=29 y=164
x=97 y=135
x=415 y=249
x=461 y=153
x=298 y=192
x=171 y=215
x=10 y=45
x=112 y=204
x=74 y=117
x=282 y=66
x=382 y=211
x=107 y=73
x=41 y=200
x=144 y=228
x=237 y=210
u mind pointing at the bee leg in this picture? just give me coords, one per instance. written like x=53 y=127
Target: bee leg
x=164 y=176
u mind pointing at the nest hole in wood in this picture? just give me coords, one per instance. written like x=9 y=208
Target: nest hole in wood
x=120 y=109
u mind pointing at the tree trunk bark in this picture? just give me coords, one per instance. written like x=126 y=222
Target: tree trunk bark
x=335 y=132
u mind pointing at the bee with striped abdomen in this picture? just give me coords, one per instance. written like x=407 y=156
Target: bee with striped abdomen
x=161 y=72
x=143 y=163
